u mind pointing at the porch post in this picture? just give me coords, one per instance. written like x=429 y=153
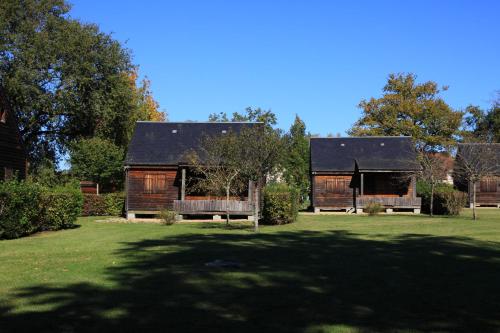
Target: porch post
x=183 y=184
x=250 y=191
x=414 y=185
x=362 y=184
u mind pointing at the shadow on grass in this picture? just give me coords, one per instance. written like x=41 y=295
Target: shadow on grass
x=289 y=281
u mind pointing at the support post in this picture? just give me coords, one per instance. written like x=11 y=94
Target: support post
x=362 y=190
x=414 y=185
x=251 y=193
x=317 y=210
x=130 y=216
x=416 y=211
x=183 y=184
x=216 y=217
x=389 y=210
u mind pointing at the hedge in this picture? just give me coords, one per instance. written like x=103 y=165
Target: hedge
x=26 y=207
x=281 y=204
x=103 y=204
x=60 y=208
x=447 y=200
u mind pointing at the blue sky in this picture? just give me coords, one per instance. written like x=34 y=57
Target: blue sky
x=317 y=59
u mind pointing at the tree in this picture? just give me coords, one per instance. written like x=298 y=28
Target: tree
x=433 y=171
x=218 y=165
x=98 y=160
x=65 y=80
x=296 y=159
x=251 y=115
x=482 y=126
x=227 y=162
x=411 y=109
x=474 y=162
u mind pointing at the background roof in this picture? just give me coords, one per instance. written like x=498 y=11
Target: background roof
x=370 y=153
x=155 y=143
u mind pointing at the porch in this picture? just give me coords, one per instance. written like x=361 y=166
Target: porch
x=389 y=202
x=210 y=207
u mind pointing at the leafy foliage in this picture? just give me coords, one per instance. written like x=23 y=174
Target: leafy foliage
x=66 y=80
x=281 y=204
x=19 y=208
x=373 y=208
x=296 y=159
x=60 y=207
x=27 y=207
x=482 y=126
x=168 y=216
x=108 y=204
x=98 y=160
x=446 y=200
x=408 y=108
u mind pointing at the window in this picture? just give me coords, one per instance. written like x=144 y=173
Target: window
x=154 y=184
x=488 y=185
x=336 y=186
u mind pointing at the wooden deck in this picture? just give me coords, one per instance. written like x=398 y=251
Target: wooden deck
x=236 y=207
x=395 y=202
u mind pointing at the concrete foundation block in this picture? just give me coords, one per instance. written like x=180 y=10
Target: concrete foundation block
x=216 y=217
x=250 y=218
x=179 y=217
x=130 y=216
x=389 y=211
x=471 y=205
x=416 y=211
x=316 y=210
x=359 y=210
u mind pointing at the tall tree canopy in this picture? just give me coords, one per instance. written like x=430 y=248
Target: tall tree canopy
x=66 y=80
x=413 y=109
x=296 y=159
x=265 y=116
x=482 y=126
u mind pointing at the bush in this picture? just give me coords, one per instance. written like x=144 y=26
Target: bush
x=281 y=204
x=104 y=204
x=93 y=205
x=168 y=216
x=373 y=208
x=454 y=202
x=60 y=207
x=446 y=198
x=19 y=208
x=115 y=203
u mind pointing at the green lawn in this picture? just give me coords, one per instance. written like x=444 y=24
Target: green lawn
x=324 y=273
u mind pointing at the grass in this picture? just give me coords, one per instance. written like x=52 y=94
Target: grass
x=322 y=274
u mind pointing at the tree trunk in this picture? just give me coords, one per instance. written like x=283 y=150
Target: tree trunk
x=474 y=201
x=227 y=205
x=431 y=213
x=256 y=206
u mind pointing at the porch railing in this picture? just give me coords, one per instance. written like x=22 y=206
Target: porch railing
x=212 y=206
x=401 y=202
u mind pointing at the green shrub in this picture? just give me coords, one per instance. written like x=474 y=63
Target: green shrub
x=168 y=216
x=61 y=207
x=104 y=204
x=281 y=204
x=373 y=208
x=446 y=198
x=454 y=202
x=19 y=208
x=115 y=203
x=93 y=205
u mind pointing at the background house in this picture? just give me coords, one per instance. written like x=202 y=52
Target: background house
x=157 y=174
x=488 y=189
x=349 y=173
x=12 y=154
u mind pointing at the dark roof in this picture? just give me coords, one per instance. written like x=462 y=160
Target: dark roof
x=388 y=153
x=166 y=143
x=493 y=160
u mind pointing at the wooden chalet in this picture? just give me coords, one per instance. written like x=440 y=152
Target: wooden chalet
x=157 y=175
x=488 y=189
x=12 y=154
x=349 y=173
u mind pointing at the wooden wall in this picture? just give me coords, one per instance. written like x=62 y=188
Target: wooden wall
x=137 y=197
x=332 y=191
x=12 y=154
x=487 y=191
x=339 y=191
